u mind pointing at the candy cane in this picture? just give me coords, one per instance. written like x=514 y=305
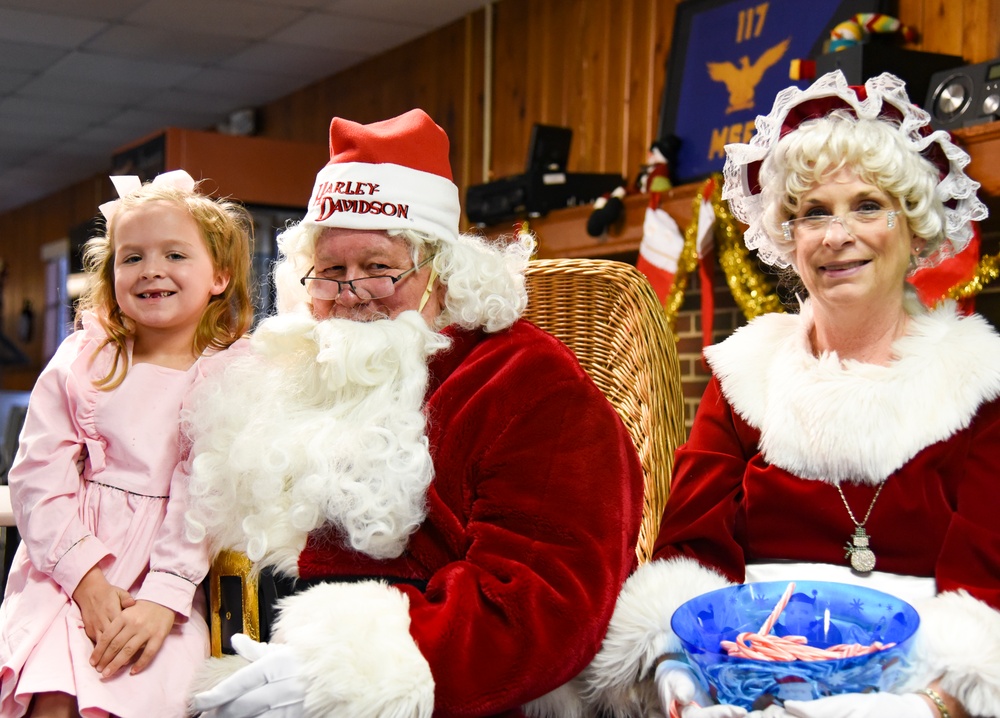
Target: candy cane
x=762 y=646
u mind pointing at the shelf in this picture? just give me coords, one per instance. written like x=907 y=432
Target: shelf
x=254 y=170
x=982 y=142
x=563 y=232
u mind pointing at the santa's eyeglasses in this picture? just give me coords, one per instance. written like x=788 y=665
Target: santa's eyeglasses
x=364 y=288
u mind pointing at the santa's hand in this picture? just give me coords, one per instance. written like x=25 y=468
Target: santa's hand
x=271 y=686
x=862 y=705
x=681 y=692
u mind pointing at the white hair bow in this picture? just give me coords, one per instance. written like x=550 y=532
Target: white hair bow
x=127 y=184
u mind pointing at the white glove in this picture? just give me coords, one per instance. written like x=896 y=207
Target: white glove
x=862 y=705
x=271 y=686
x=772 y=711
x=676 y=683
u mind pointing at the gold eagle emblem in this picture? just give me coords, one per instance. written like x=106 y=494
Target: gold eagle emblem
x=741 y=81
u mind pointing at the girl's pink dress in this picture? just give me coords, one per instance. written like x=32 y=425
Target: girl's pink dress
x=99 y=480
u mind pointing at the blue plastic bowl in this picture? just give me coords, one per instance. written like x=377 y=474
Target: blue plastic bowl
x=855 y=615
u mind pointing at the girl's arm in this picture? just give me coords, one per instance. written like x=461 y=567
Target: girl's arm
x=177 y=567
x=45 y=481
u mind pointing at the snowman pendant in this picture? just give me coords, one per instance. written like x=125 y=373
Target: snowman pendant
x=862 y=558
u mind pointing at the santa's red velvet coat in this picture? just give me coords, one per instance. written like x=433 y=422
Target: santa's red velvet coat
x=777 y=431
x=531 y=526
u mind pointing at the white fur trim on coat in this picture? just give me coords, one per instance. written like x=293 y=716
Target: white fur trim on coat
x=958 y=643
x=358 y=656
x=619 y=679
x=822 y=418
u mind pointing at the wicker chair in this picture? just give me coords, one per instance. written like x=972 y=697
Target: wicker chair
x=608 y=315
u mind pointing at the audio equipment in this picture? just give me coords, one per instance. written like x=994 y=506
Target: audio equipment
x=965 y=96
x=545 y=184
x=914 y=67
x=534 y=194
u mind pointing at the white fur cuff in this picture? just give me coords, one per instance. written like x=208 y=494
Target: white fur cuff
x=958 y=642
x=356 y=651
x=640 y=632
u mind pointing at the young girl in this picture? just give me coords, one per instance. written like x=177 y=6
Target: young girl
x=103 y=614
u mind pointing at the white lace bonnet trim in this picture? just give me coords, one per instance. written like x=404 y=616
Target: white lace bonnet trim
x=956 y=190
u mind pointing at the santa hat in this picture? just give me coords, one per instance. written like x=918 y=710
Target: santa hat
x=390 y=175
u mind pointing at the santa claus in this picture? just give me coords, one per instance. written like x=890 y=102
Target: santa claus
x=446 y=503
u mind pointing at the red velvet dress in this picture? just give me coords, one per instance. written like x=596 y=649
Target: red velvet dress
x=531 y=525
x=936 y=515
x=777 y=431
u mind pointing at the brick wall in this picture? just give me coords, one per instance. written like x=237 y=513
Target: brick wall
x=688 y=329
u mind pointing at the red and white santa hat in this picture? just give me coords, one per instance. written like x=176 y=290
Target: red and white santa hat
x=387 y=175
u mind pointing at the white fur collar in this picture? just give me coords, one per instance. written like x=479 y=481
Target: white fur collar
x=826 y=419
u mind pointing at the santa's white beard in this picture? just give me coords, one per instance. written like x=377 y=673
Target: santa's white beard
x=321 y=424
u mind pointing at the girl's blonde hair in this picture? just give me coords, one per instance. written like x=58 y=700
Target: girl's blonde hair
x=227 y=229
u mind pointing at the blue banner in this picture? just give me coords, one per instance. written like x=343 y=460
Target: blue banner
x=731 y=60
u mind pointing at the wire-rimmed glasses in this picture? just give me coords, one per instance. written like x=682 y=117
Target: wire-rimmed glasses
x=815 y=226
x=364 y=288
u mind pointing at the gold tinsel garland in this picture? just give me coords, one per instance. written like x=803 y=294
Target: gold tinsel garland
x=987 y=271
x=753 y=293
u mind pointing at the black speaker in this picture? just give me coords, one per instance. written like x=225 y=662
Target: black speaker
x=915 y=68
x=965 y=96
x=535 y=194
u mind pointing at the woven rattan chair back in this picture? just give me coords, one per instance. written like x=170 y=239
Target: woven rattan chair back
x=607 y=313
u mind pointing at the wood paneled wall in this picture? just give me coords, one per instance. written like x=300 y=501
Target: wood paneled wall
x=597 y=66
x=23 y=232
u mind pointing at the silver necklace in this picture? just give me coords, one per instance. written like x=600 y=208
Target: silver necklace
x=861 y=555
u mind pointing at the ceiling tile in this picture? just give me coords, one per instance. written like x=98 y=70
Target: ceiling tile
x=12 y=157
x=107 y=73
x=90 y=92
x=15 y=149
x=139 y=122
x=32 y=27
x=10 y=80
x=244 y=87
x=234 y=18
x=93 y=9
x=106 y=136
x=28 y=56
x=71 y=156
x=188 y=48
x=298 y=61
x=210 y=103
x=308 y=4
x=18 y=108
x=426 y=15
x=121 y=70
x=348 y=33
x=31 y=176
